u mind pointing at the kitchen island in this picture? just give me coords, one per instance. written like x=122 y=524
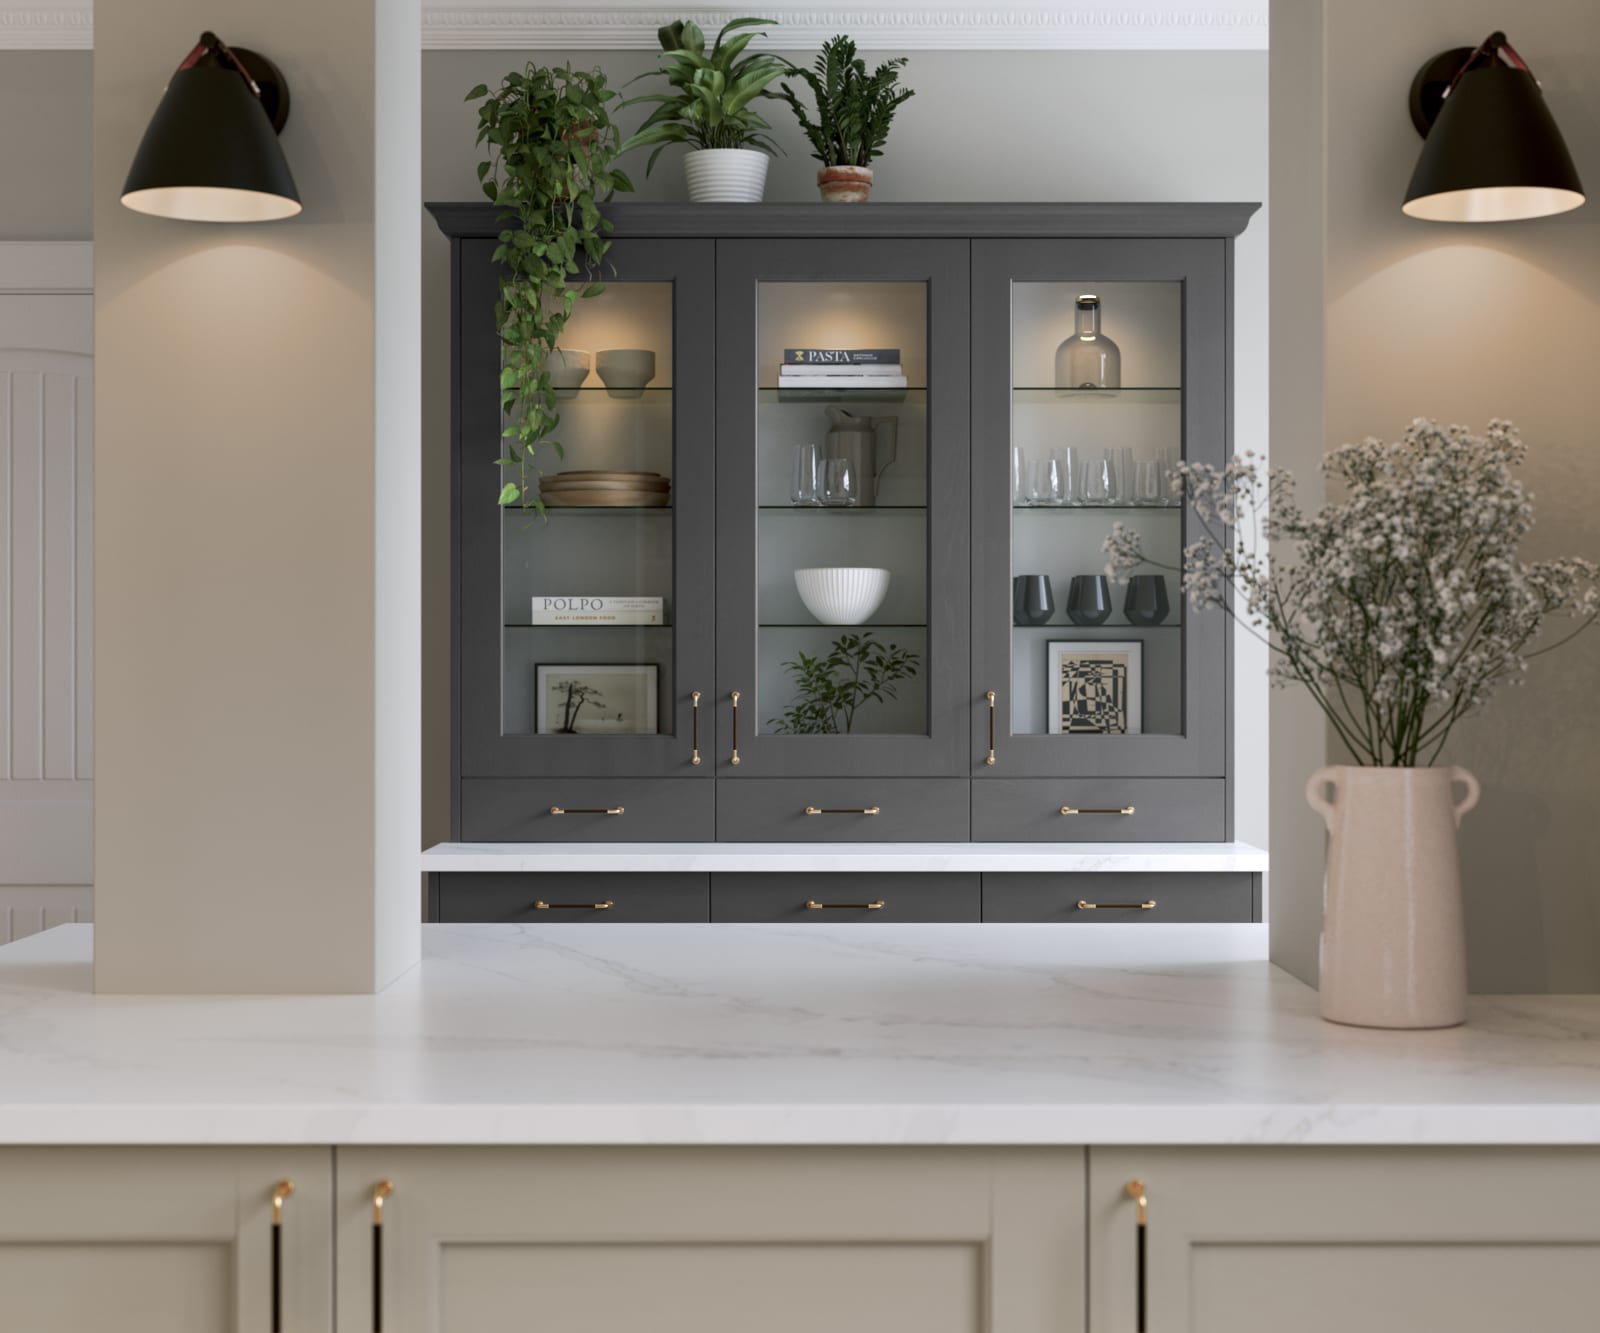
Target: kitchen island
x=664 y=1126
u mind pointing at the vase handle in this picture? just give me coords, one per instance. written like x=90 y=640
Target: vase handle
x=1473 y=791
x=1323 y=777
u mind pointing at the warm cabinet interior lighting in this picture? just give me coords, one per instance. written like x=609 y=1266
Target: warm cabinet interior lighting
x=211 y=152
x=1492 y=151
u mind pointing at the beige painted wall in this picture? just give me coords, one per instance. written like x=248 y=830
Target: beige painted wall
x=1461 y=324
x=1076 y=125
x=240 y=822
x=45 y=132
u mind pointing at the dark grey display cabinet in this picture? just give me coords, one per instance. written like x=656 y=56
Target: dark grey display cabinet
x=798 y=635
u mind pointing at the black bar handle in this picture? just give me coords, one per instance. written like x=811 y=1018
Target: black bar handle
x=380 y=1195
x=1136 y=1192
x=281 y=1191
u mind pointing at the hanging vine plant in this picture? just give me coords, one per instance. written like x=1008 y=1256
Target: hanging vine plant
x=551 y=143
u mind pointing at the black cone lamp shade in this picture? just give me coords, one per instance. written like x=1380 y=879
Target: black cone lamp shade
x=1492 y=151
x=211 y=152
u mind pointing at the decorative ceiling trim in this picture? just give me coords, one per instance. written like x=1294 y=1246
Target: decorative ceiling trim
x=927 y=28
x=57 y=27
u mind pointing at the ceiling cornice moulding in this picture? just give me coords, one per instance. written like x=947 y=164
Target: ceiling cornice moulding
x=68 y=25
x=919 y=28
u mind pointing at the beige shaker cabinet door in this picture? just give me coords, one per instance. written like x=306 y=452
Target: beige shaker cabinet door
x=1403 y=1240
x=722 y=1240
x=164 y=1240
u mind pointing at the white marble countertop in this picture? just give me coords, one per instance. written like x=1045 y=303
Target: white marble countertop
x=618 y=1034
x=848 y=857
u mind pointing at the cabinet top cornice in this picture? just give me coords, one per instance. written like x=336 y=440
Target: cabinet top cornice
x=1064 y=220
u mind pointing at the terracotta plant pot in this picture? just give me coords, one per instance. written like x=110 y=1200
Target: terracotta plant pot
x=1394 y=948
x=845 y=185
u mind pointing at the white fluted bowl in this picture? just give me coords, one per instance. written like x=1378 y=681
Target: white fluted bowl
x=726 y=175
x=842 y=595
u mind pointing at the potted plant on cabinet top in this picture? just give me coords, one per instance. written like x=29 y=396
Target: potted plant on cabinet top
x=551 y=145
x=1403 y=607
x=710 y=108
x=854 y=111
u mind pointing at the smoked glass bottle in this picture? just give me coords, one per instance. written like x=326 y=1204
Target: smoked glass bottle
x=1088 y=359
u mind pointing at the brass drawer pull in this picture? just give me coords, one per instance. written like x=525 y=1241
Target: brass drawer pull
x=812 y=905
x=1148 y=905
x=541 y=906
x=990 y=697
x=1136 y=1192
x=695 y=743
x=1108 y=810
x=868 y=810
x=735 y=759
x=280 y=1192
x=597 y=810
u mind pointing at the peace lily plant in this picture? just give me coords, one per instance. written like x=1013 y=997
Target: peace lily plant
x=1401 y=606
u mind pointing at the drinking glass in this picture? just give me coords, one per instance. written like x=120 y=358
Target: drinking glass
x=1019 y=475
x=840 y=484
x=1045 y=486
x=1147 y=482
x=1122 y=477
x=1169 y=472
x=805 y=476
x=1067 y=457
x=1095 y=488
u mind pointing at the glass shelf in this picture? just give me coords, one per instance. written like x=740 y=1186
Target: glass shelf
x=839 y=395
x=552 y=511
x=619 y=395
x=1055 y=627
x=1033 y=394
x=1098 y=509
x=589 y=625
x=844 y=509
x=813 y=624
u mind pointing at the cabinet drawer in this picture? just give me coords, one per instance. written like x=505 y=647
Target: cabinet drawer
x=515 y=897
x=1177 y=897
x=905 y=897
x=908 y=810
x=1164 y=810
x=652 y=810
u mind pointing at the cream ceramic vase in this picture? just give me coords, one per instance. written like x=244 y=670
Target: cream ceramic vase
x=1394 y=948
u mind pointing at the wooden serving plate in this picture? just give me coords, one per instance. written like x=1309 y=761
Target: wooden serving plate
x=574 y=497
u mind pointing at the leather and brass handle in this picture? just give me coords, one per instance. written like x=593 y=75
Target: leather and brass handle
x=989 y=695
x=280 y=1192
x=1148 y=905
x=735 y=760
x=695 y=743
x=1136 y=1192
x=1103 y=810
x=866 y=810
x=541 y=906
x=812 y=905
x=380 y=1196
x=591 y=810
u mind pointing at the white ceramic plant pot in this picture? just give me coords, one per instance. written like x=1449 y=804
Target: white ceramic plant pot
x=1394 y=945
x=726 y=175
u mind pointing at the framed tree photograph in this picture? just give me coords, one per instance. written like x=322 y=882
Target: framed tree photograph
x=1096 y=687
x=596 y=700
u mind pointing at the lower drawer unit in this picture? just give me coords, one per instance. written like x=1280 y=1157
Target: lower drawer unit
x=887 y=896
x=587 y=810
x=596 y=897
x=1089 y=898
x=1099 y=810
x=843 y=810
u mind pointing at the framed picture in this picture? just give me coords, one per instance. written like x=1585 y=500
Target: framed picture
x=1096 y=687
x=596 y=700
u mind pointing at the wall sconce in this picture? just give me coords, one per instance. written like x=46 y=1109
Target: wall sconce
x=211 y=152
x=1492 y=152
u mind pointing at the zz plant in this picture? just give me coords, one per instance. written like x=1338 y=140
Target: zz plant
x=854 y=108
x=551 y=144
x=830 y=689
x=710 y=105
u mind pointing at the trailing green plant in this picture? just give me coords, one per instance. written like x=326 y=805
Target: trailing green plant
x=854 y=108
x=710 y=105
x=858 y=669
x=551 y=145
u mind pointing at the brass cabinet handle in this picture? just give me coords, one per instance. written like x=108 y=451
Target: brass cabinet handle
x=1136 y=1192
x=541 y=906
x=989 y=695
x=592 y=810
x=380 y=1195
x=812 y=905
x=867 y=810
x=280 y=1192
x=695 y=757
x=1105 y=810
x=1148 y=905
x=735 y=760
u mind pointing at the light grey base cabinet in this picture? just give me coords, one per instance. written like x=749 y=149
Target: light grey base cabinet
x=790 y=1240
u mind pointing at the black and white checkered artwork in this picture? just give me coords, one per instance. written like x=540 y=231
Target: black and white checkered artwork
x=1094 y=694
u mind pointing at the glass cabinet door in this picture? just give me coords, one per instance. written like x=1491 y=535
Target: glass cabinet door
x=585 y=655
x=1098 y=366
x=843 y=507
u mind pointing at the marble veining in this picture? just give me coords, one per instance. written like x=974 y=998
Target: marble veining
x=696 y=1034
